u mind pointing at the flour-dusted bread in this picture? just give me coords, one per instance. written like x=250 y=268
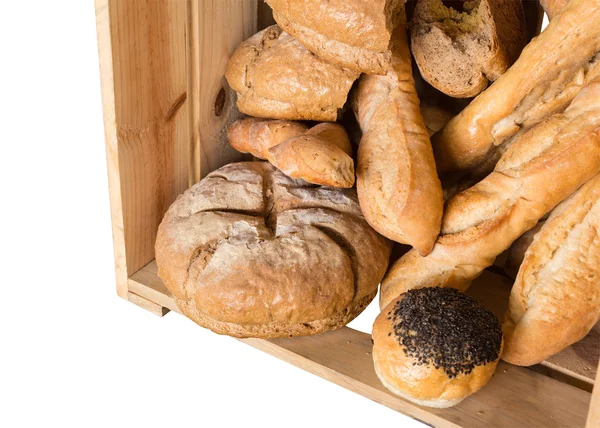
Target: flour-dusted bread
x=398 y=187
x=555 y=300
x=435 y=346
x=550 y=72
x=460 y=51
x=249 y=252
x=516 y=252
x=541 y=169
x=319 y=155
x=352 y=33
x=276 y=77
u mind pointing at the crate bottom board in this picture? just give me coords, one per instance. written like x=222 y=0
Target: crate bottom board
x=516 y=396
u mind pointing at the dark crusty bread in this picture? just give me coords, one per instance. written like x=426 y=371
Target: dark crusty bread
x=319 y=155
x=352 y=33
x=459 y=52
x=540 y=169
x=555 y=300
x=398 y=187
x=250 y=252
x=550 y=72
x=276 y=77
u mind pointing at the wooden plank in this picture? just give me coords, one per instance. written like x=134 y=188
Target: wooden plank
x=593 y=420
x=216 y=27
x=516 y=396
x=144 y=77
x=112 y=150
x=147 y=304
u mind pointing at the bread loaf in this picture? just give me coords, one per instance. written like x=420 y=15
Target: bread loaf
x=250 y=252
x=460 y=51
x=276 y=77
x=398 y=188
x=542 y=168
x=550 y=72
x=352 y=33
x=319 y=155
x=555 y=300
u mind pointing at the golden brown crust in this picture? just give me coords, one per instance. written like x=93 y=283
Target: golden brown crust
x=555 y=300
x=320 y=155
x=553 y=7
x=459 y=52
x=250 y=251
x=276 y=77
x=532 y=89
x=398 y=187
x=352 y=33
x=516 y=252
x=422 y=384
x=540 y=169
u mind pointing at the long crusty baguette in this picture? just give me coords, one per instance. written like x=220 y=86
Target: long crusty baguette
x=549 y=73
x=319 y=155
x=460 y=49
x=516 y=252
x=541 y=169
x=553 y=7
x=398 y=187
x=555 y=300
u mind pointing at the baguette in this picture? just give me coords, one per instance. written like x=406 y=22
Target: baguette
x=460 y=49
x=516 y=252
x=396 y=178
x=555 y=300
x=553 y=7
x=319 y=155
x=540 y=169
x=547 y=76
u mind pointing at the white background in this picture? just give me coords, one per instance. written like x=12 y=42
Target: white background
x=73 y=354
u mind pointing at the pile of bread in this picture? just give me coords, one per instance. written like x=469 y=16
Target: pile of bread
x=288 y=247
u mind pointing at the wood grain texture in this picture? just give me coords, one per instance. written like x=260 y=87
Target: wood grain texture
x=147 y=304
x=144 y=78
x=593 y=419
x=516 y=396
x=112 y=147
x=216 y=28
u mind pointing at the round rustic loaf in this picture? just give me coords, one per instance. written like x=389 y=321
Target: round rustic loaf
x=249 y=252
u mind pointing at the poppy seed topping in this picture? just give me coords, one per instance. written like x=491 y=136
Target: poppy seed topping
x=447 y=329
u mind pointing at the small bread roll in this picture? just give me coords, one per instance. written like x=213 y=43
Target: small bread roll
x=435 y=346
x=276 y=77
x=555 y=301
x=319 y=155
x=460 y=51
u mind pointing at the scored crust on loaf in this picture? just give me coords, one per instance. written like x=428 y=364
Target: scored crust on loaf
x=276 y=77
x=538 y=171
x=555 y=300
x=250 y=252
x=352 y=33
x=459 y=52
x=550 y=72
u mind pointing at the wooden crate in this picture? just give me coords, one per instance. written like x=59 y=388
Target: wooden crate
x=166 y=105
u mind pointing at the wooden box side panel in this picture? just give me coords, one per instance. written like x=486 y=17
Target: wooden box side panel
x=216 y=28
x=144 y=84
